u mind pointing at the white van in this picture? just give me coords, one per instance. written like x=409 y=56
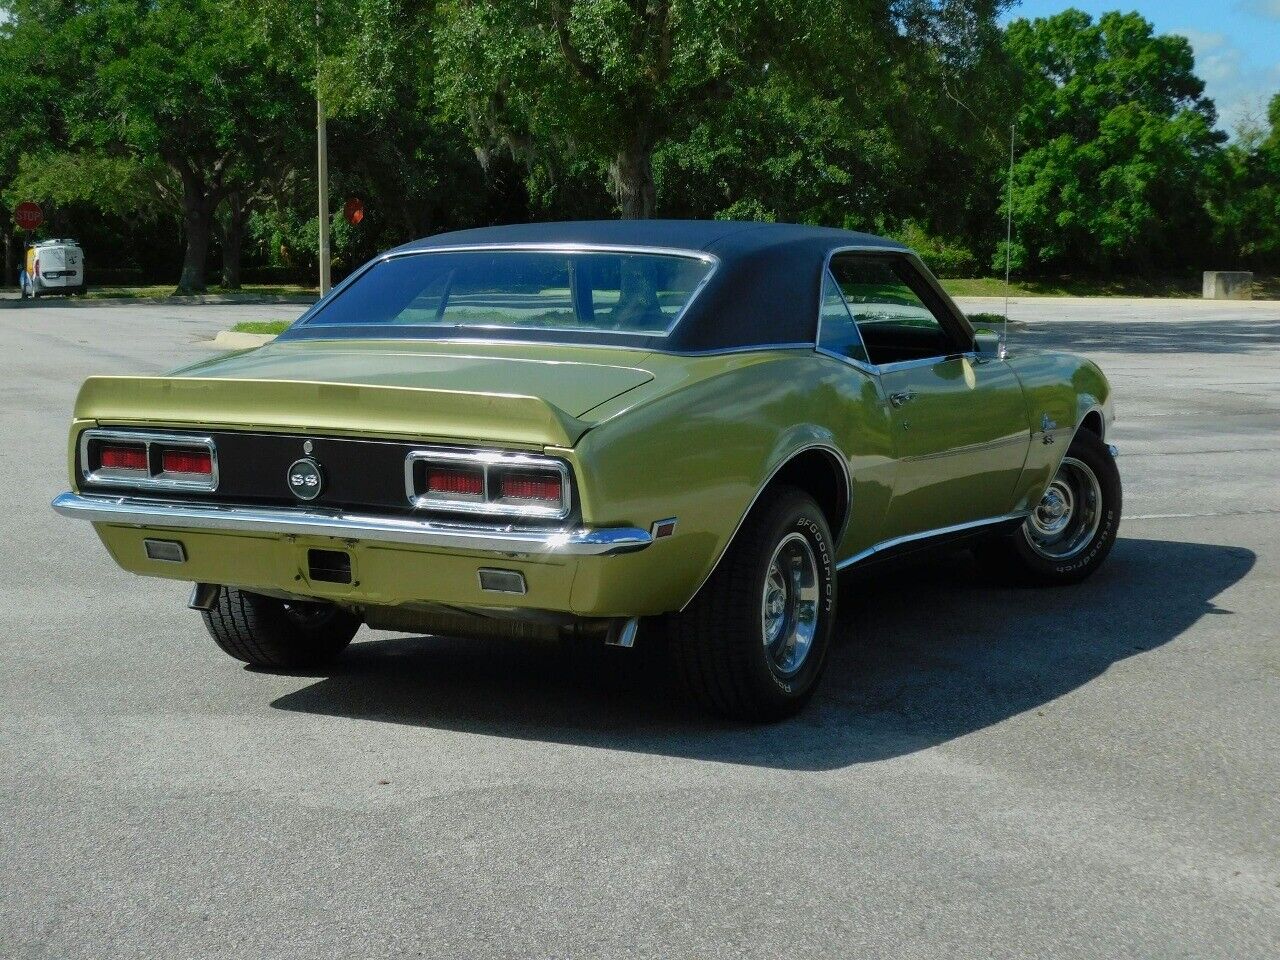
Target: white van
x=53 y=266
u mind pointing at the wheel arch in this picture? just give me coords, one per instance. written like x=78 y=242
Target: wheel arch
x=1094 y=422
x=817 y=468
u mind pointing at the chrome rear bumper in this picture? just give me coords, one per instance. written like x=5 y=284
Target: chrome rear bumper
x=178 y=515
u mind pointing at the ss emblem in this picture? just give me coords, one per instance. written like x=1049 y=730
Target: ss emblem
x=305 y=479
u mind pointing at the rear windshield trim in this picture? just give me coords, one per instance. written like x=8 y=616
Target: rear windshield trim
x=701 y=255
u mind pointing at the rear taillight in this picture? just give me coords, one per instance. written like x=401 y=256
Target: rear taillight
x=488 y=483
x=447 y=480
x=195 y=462
x=545 y=487
x=123 y=457
x=140 y=459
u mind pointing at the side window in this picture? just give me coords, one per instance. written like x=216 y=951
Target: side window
x=895 y=324
x=837 y=331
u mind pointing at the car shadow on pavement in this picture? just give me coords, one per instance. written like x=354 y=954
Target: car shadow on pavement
x=924 y=654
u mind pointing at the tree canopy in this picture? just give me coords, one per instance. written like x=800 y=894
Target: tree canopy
x=169 y=134
x=1119 y=142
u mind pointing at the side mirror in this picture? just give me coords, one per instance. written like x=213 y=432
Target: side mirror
x=989 y=343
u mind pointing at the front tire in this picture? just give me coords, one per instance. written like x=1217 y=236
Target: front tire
x=267 y=632
x=753 y=643
x=1072 y=529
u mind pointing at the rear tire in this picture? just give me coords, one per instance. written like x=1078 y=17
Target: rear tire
x=753 y=643
x=267 y=632
x=1074 y=526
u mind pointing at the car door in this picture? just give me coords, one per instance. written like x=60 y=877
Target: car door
x=958 y=418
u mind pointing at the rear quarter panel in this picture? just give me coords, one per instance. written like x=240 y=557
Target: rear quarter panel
x=701 y=446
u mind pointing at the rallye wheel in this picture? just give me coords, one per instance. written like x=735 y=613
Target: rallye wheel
x=753 y=642
x=267 y=632
x=1072 y=528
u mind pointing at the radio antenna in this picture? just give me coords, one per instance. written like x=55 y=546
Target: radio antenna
x=1008 y=241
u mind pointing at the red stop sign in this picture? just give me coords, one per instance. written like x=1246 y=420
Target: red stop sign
x=354 y=210
x=28 y=215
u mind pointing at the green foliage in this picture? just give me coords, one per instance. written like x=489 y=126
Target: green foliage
x=947 y=259
x=1246 y=208
x=272 y=327
x=1118 y=140
x=115 y=185
x=162 y=132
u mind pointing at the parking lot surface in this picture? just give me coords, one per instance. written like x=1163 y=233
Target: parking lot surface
x=1083 y=772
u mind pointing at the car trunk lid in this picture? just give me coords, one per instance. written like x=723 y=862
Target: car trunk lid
x=523 y=394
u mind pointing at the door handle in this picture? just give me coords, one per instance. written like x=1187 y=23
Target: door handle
x=899 y=399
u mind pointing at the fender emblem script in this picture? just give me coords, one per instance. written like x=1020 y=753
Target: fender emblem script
x=1046 y=426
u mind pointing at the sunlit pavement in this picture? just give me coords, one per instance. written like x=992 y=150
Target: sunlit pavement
x=1086 y=772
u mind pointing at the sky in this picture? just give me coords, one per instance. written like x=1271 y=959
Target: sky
x=1236 y=42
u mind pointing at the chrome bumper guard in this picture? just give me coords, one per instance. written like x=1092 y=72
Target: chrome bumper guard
x=177 y=515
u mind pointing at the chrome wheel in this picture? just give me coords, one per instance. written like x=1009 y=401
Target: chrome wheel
x=789 y=605
x=1067 y=517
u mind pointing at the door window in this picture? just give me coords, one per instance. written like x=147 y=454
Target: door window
x=894 y=323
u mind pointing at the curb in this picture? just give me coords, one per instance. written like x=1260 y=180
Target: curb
x=233 y=340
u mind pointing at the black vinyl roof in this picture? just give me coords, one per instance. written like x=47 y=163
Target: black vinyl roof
x=764 y=291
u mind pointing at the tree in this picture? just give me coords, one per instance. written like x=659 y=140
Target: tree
x=1118 y=138
x=615 y=83
x=894 y=120
x=1246 y=207
x=179 y=88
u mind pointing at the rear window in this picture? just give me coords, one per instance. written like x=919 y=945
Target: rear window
x=600 y=291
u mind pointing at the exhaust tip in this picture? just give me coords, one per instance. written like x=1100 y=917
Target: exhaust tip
x=204 y=596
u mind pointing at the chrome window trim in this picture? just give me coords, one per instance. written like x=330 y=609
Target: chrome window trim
x=647 y=349
x=156 y=481
x=926 y=361
x=911 y=257
x=747 y=348
x=928 y=535
x=687 y=253
x=292 y=521
x=866 y=368
x=486 y=461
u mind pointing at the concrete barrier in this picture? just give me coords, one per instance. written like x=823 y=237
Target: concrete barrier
x=1228 y=285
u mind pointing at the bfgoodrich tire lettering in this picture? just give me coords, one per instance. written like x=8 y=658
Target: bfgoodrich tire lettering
x=267 y=632
x=1031 y=554
x=777 y=581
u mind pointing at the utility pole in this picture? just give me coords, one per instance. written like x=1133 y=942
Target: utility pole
x=322 y=170
x=322 y=177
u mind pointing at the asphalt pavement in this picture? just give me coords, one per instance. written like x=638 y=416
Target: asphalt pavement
x=1088 y=772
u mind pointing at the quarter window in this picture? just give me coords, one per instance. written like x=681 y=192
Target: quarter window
x=895 y=324
x=837 y=331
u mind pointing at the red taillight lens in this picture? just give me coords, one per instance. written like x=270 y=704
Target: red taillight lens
x=187 y=461
x=445 y=480
x=531 y=486
x=123 y=457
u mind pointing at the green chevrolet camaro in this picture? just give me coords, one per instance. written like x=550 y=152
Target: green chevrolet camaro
x=681 y=430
